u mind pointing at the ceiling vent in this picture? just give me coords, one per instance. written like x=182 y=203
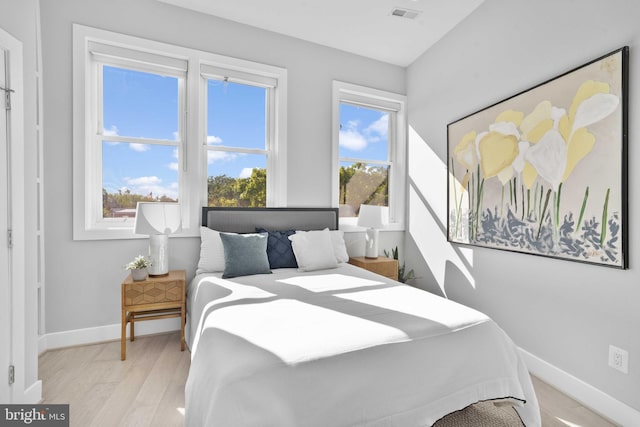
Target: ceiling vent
x=405 y=13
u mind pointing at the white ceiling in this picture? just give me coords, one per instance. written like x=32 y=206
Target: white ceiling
x=363 y=27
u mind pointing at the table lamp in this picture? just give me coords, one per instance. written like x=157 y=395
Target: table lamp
x=158 y=220
x=373 y=218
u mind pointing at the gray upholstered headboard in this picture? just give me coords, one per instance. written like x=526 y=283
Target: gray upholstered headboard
x=245 y=220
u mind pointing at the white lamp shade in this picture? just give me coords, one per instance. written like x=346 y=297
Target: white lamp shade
x=157 y=218
x=371 y=216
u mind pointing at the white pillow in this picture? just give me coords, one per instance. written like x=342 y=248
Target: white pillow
x=339 y=247
x=313 y=250
x=211 y=252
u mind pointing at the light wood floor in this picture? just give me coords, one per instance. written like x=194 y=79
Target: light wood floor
x=147 y=389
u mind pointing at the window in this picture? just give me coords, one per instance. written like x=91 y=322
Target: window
x=238 y=129
x=148 y=116
x=363 y=142
x=139 y=136
x=369 y=146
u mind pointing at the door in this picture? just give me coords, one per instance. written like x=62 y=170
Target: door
x=5 y=253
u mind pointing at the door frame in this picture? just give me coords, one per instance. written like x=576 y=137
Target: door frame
x=16 y=217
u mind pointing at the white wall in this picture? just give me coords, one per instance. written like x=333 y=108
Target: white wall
x=562 y=312
x=83 y=277
x=19 y=19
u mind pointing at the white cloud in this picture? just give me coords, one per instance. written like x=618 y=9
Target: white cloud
x=353 y=140
x=140 y=148
x=143 y=180
x=176 y=136
x=174 y=165
x=112 y=131
x=214 y=156
x=245 y=172
x=151 y=185
x=380 y=126
x=212 y=139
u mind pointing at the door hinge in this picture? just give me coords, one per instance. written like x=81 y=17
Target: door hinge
x=7 y=97
x=12 y=374
x=10 y=238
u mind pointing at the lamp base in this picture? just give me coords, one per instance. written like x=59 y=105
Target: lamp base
x=158 y=252
x=371 y=243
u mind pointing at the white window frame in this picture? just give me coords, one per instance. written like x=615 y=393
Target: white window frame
x=152 y=56
x=209 y=71
x=396 y=105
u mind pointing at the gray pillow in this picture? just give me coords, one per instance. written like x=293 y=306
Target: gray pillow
x=244 y=254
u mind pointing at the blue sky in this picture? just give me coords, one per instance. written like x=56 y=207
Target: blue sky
x=138 y=104
x=363 y=133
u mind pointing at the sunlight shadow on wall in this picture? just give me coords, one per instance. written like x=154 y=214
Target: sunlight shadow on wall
x=428 y=213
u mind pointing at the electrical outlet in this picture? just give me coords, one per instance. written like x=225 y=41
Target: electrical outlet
x=619 y=359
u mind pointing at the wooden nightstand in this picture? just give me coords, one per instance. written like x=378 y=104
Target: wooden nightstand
x=384 y=266
x=153 y=298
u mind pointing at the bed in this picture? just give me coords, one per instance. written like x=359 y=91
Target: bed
x=333 y=345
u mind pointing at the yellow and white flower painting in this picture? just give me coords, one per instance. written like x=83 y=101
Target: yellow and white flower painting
x=543 y=172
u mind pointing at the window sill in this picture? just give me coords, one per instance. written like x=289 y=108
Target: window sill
x=123 y=234
x=352 y=228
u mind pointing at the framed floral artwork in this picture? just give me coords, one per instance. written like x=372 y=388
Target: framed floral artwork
x=544 y=172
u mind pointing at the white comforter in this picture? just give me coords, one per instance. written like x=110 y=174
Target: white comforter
x=341 y=347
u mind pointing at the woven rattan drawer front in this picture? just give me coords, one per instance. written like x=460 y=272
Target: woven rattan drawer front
x=148 y=293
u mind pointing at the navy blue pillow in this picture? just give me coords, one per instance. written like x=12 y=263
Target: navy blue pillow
x=279 y=250
x=244 y=254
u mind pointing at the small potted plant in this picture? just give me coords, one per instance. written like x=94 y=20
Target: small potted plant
x=139 y=267
x=403 y=275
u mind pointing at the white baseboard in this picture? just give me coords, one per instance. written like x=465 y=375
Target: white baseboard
x=584 y=393
x=102 y=333
x=33 y=393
